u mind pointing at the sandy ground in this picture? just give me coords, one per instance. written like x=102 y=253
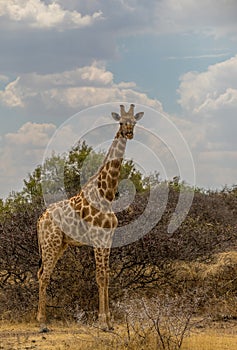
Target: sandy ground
x=220 y=336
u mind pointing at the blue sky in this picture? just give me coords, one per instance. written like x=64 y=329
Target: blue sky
x=156 y=62
x=177 y=57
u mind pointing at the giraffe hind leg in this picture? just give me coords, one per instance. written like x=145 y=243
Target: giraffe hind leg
x=49 y=261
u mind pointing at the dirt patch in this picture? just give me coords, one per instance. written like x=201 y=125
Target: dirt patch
x=17 y=338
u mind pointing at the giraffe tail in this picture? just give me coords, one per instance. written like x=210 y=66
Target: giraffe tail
x=40 y=263
x=40 y=271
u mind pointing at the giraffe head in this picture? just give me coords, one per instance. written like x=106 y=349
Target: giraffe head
x=127 y=121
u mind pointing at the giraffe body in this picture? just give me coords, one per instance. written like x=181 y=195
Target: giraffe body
x=86 y=219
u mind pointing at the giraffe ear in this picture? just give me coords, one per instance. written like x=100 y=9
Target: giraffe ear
x=139 y=115
x=116 y=116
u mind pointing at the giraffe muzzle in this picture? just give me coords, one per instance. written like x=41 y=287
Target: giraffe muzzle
x=129 y=135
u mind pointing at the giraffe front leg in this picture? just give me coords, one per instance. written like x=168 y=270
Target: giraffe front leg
x=106 y=289
x=102 y=278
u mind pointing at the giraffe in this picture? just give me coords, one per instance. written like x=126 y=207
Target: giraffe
x=86 y=219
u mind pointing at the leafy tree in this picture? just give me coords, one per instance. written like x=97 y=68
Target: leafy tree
x=32 y=190
x=81 y=163
x=62 y=176
x=129 y=171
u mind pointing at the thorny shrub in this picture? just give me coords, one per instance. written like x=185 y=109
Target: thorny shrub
x=165 y=319
x=148 y=265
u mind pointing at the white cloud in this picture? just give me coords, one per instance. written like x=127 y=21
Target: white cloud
x=3 y=78
x=104 y=22
x=20 y=153
x=198 y=57
x=121 y=17
x=210 y=90
x=216 y=18
x=31 y=134
x=210 y=17
x=126 y=85
x=70 y=91
x=36 y=13
x=11 y=96
x=218 y=167
x=209 y=101
x=59 y=94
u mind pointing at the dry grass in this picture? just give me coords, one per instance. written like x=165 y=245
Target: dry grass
x=211 y=340
x=219 y=266
x=75 y=337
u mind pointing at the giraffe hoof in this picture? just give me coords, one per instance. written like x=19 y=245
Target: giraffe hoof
x=107 y=328
x=44 y=330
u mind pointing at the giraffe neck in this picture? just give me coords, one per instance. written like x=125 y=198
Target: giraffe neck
x=109 y=172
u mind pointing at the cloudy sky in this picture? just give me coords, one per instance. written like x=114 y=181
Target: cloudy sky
x=178 y=57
